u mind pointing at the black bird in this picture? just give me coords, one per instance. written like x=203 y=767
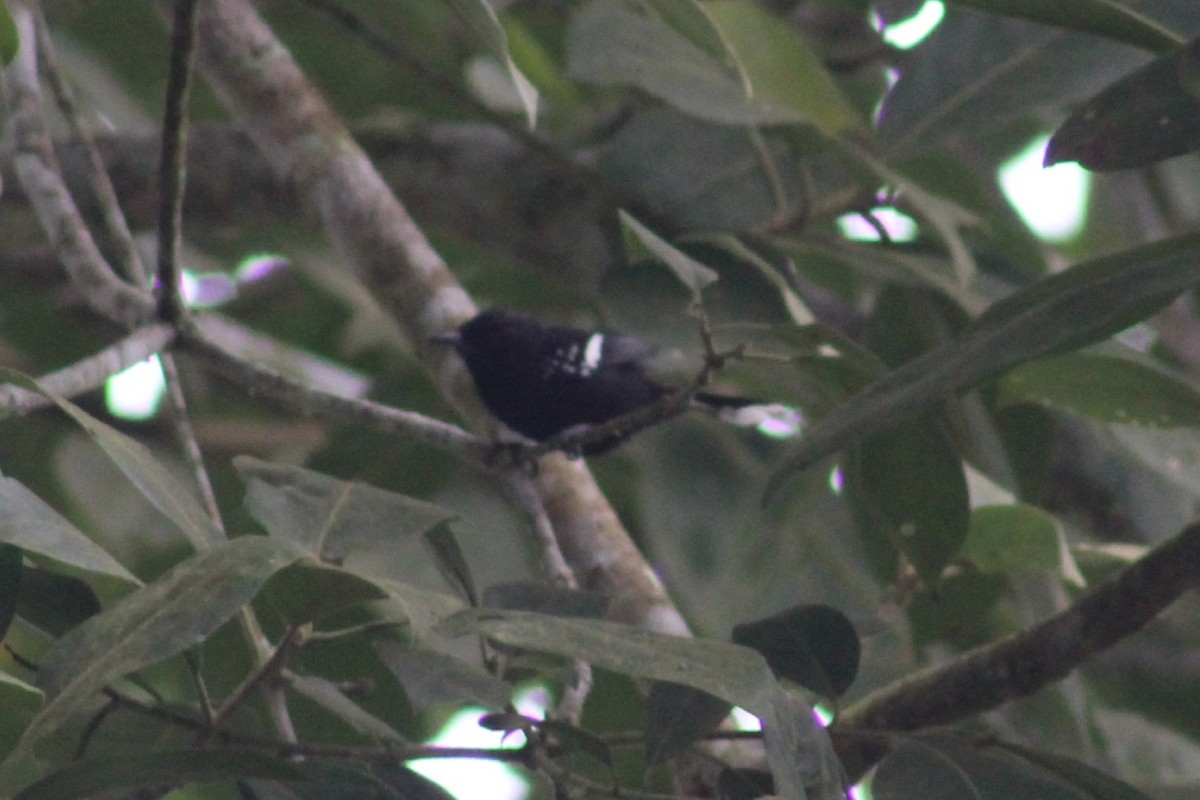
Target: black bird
x=545 y=380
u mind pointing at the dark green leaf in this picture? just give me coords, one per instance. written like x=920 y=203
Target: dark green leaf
x=1150 y=115
x=452 y=561
x=175 y=612
x=155 y=769
x=28 y=522
x=912 y=476
x=306 y=592
x=430 y=677
x=1106 y=387
x=815 y=646
x=577 y=740
x=1070 y=309
x=1095 y=783
x=678 y=715
x=1099 y=17
x=331 y=517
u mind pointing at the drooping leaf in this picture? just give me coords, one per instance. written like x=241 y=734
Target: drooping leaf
x=330 y=517
x=690 y=272
x=1070 y=309
x=29 y=523
x=10 y=584
x=1147 y=116
x=173 y=613
x=485 y=26
x=815 y=646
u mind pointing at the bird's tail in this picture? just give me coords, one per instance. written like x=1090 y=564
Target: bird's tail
x=774 y=419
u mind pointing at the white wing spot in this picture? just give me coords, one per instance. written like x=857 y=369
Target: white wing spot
x=592 y=352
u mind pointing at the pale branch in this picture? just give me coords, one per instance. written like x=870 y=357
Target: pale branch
x=220 y=345
x=1024 y=662
x=93 y=169
x=91 y=372
x=256 y=79
x=41 y=180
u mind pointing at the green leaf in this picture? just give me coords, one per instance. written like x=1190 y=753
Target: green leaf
x=815 y=646
x=1104 y=18
x=913 y=478
x=1147 y=116
x=20 y=702
x=1006 y=538
x=798 y=751
x=332 y=518
x=615 y=43
x=156 y=483
x=306 y=592
x=10 y=39
x=1094 y=783
x=1106 y=387
x=155 y=769
x=778 y=67
x=1073 y=308
x=690 y=272
x=177 y=611
x=485 y=26
x=29 y=523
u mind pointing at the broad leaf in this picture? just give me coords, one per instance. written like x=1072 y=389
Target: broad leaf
x=326 y=694
x=1106 y=387
x=20 y=702
x=29 y=523
x=1147 y=116
x=815 y=646
x=330 y=517
x=1068 y=310
x=177 y=611
x=164 y=491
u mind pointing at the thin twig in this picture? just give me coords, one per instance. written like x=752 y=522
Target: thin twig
x=172 y=172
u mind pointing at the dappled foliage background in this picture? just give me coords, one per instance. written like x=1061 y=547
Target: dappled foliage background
x=955 y=506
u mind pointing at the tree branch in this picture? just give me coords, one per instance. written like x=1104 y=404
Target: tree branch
x=1027 y=661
